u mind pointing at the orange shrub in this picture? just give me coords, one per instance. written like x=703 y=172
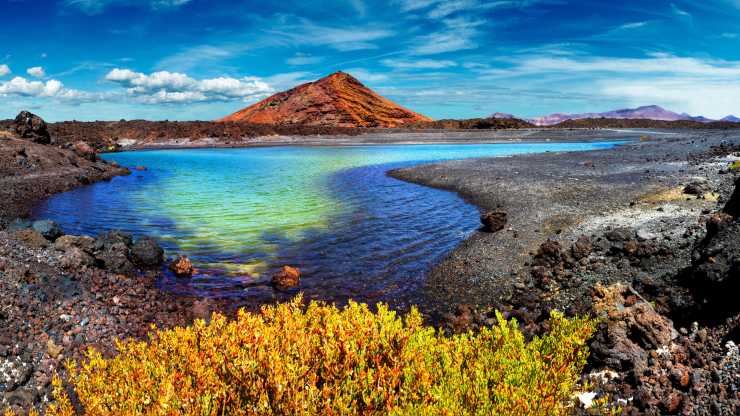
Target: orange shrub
x=321 y=360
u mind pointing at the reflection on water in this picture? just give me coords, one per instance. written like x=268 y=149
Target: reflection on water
x=332 y=211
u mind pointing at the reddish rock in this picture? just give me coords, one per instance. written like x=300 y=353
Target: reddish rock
x=31 y=237
x=74 y=258
x=182 y=267
x=627 y=333
x=630 y=247
x=337 y=100
x=493 y=221
x=582 y=248
x=83 y=149
x=286 y=278
x=461 y=320
x=549 y=254
x=140 y=168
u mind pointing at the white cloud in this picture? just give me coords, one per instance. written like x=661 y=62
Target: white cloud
x=36 y=71
x=343 y=39
x=634 y=25
x=418 y=64
x=198 y=55
x=303 y=59
x=366 y=76
x=683 y=14
x=459 y=34
x=24 y=87
x=174 y=87
x=4 y=70
x=93 y=7
x=697 y=86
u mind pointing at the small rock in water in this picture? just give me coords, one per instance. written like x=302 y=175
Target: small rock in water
x=146 y=252
x=286 y=278
x=49 y=229
x=493 y=221
x=182 y=267
x=140 y=168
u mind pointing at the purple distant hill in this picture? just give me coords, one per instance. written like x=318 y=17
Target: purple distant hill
x=731 y=119
x=650 y=112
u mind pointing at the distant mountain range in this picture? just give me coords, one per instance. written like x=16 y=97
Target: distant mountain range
x=649 y=112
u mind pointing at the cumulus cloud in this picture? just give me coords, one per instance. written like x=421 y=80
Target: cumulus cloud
x=175 y=87
x=52 y=88
x=24 y=87
x=4 y=70
x=36 y=71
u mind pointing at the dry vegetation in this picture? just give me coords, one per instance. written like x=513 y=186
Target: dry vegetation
x=293 y=359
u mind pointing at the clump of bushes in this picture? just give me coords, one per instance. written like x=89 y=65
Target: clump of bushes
x=735 y=166
x=293 y=359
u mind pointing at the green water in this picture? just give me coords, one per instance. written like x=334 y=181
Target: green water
x=333 y=211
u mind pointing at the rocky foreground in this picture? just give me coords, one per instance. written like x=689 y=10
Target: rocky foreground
x=644 y=236
x=61 y=294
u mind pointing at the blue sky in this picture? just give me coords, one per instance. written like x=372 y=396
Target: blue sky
x=203 y=59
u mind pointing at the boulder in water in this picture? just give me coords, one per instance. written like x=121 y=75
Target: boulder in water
x=182 y=267
x=286 y=278
x=147 y=253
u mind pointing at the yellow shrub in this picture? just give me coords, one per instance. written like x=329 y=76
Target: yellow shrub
x=321 y=360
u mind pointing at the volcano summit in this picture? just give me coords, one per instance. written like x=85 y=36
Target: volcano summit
x=337 y=100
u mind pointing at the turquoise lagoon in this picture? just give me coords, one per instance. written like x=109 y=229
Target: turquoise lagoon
x=332 y=211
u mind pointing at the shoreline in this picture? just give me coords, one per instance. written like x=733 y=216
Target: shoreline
x=551 y=196
x=401 y=138
x=605 y=224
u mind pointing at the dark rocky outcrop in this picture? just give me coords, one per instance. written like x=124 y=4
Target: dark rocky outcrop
x=732 y=207
x=493 y=221
x=30 y=126
x=147 y=253
x=630 y=329
x=714 y=275
x=49 y=229
x=697 y=187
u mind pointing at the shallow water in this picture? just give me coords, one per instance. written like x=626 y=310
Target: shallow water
x=332 y=211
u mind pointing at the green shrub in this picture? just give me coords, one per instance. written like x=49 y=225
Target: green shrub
x=735 y=166
x=321 y=360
